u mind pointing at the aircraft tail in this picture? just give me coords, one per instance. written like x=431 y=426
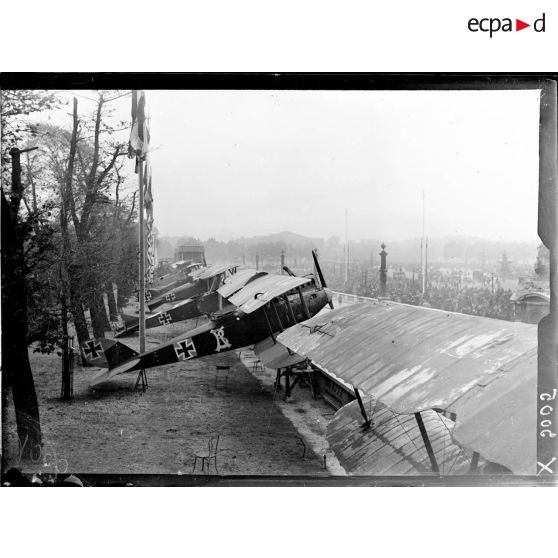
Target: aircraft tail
x=130 y=324
x=106 y=353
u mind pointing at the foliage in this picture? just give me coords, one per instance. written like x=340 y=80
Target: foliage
x=100 y=227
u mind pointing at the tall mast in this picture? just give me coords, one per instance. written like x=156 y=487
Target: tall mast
x=423 y=248
x=346 y=246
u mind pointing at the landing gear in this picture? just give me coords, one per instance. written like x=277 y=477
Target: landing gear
x=141 y=379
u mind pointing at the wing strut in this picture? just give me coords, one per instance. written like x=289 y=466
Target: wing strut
x=473 y=469
x=279 y=322
x=427 y=444
x=303 y=302
x=291 y=313
x=366 y=423
x=269 y=325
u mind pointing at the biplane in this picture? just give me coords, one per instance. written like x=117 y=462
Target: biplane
x=434 y=391
x=202 y=280
x=258 y=306
x=170 y=281
x=186 y=298
x=206 y=303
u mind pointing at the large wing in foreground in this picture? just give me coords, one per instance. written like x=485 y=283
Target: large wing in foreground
x=415 y=358
x=393 y=445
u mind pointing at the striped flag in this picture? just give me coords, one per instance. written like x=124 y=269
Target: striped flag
x=150 y=245
x=148 y=203
x=147 y=193
x=139 y=136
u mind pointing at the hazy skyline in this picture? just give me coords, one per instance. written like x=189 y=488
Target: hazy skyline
x=228 y=164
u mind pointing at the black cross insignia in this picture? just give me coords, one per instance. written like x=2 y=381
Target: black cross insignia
x=91 y=349
x=165 y=318
x=185 y=349
x=170 y=296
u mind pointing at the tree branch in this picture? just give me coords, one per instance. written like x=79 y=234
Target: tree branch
x=132 y=208
x=95 y=161
x=68 y=201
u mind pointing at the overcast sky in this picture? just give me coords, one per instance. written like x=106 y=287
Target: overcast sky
x=241 y=163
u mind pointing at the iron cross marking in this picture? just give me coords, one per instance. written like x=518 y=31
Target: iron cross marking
x=170 y=296
x=185 y=350
x=91 y=350
x=165 y=318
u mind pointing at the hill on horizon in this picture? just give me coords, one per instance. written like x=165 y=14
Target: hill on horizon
x=287 y=237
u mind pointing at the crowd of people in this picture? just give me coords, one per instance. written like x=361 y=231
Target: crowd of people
x=491 y=301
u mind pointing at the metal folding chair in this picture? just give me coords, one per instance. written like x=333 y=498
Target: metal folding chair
x=212 y=447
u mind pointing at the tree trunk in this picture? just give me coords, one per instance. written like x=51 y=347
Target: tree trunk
x=67 y=392
x=113 y=311
x=99 y=319
x=76 y=308
x=80 y=323
x=16 y=370
x=121 y=299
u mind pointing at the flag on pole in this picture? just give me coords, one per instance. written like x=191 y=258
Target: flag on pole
x=148 y=202
x=131 y=153
x=139 y=136
x=147 y=194
x=150 y=268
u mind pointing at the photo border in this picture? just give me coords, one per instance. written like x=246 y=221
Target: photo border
x=547 y=383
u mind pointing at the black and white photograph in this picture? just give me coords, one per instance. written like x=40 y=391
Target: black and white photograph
x=278 y=278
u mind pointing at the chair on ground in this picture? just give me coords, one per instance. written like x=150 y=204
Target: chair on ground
x=222 y=368
x=212 y=447
x=257 y=366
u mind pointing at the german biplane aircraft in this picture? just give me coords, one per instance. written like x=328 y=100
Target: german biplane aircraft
x=203 y=280
x=183 y=275
x=193 y=307
x=257 y=309
x=434 y=391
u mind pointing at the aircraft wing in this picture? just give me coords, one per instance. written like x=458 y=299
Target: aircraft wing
x=259 y=292
x=414 y=358
x=275 y=355
x=235 y=282
x=212 y=271
x=393 y=446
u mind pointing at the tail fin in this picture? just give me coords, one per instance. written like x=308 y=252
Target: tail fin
x=129 y=324
x=106 y=353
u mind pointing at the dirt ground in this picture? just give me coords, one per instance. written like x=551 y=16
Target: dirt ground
x=118 y=430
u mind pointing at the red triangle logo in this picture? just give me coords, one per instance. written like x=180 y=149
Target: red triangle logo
x=519 y=25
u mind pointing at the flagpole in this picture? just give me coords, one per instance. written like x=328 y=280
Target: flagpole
x=346 y=246
x=141 y=261
x=423 y=249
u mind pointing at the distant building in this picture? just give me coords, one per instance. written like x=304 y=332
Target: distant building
x=192 y=252
x=163 y=265
x=531 y=305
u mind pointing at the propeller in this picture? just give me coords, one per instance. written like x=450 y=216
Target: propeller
x=285 y=268
x=321 y=275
